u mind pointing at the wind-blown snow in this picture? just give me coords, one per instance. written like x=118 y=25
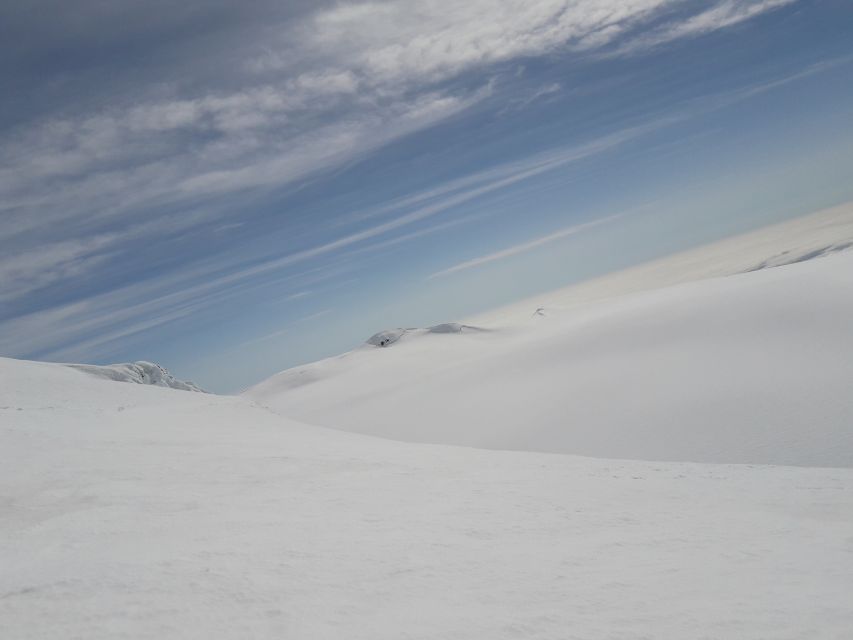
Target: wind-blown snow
x=752 y=368
x=135 y=511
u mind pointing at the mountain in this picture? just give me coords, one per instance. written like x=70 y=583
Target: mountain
x=140 y=372
x=752 y=368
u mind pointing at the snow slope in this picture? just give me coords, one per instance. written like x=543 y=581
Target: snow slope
x=751 y=368
x=816 y=235
x=132 y=511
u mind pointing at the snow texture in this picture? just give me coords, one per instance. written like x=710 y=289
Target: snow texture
x=132 y=511
x=140 y=372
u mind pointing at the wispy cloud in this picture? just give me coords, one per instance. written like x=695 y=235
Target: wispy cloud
x=339 y=83
x=207 y=284
x=522 y=247
x=86 y=183
x=107 y=317
x=287 y=328
x=397 y=45
x=517 y=104
x=717 y=16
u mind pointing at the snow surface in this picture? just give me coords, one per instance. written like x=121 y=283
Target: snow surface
x=140 y=372
x=752 y=368
x=132 y=511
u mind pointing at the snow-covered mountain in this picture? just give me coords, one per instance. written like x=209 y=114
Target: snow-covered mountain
x=140 y=372
x=752 y=368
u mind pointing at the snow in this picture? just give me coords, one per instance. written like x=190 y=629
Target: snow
x=142 y=511
x=389 y=336
x=136 y=511
x=140 y=372
x=813 y=236
x=753 y=368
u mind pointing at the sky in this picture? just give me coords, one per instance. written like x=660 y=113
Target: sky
x=231 y=189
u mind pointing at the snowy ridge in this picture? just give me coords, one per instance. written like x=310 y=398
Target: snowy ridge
x=140 y=372
x=389 y=336
x=353 y=361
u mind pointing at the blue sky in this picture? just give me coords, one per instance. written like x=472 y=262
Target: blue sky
x=232 y=190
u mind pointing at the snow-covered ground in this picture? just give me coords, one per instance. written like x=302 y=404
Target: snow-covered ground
x=137 y=511
x=752 y=368
x=130 y=511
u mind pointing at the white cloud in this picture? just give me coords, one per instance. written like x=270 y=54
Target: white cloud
x=394 y=45
x=338 y=85
x=521 y=248
x=341 y=82
x=114 y=315
x=718 y=16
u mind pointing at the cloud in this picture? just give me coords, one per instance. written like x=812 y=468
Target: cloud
x=107 y=166
x=87 y=179
x=337 y=84
x=397 y=44
x=107 y=316
x=413 y=235
x=718 y=16
x=287 y=328
x=171 y=298
x=518 y=104
x=25 y=270
x=39 y=267
x=500 y=178
x=523 y=247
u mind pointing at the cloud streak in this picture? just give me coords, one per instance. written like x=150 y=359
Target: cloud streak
x=88 y=183
x=340 y=83
x=523 y=247
x=86 y=326
x=207 y=284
